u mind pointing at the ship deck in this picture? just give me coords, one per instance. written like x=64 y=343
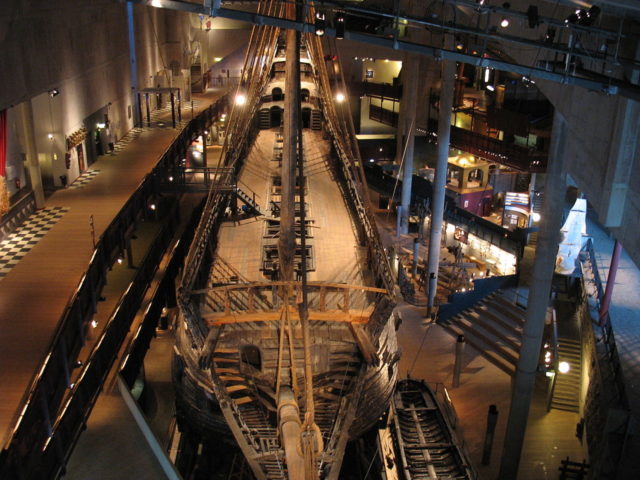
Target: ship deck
x=331 y=229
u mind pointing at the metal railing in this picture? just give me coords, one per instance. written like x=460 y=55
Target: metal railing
x=40 y=405
x=345 y=144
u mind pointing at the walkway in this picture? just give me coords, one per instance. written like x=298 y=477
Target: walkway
x=36 y=290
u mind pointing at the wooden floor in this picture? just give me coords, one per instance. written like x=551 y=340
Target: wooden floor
x=34 y=294
x=336 y=252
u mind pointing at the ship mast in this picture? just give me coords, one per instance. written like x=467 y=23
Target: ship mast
x=302 y=443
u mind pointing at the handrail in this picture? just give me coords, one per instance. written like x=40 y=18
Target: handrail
x=48 y=385
x=556 y=360
x=351 y=164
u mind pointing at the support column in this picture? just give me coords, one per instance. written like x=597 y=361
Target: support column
x=437 y=200
x=146 y=100
x=538 y=301
x=133 y=64
x=173 y=110
x=409 y=104
x=611 y=280
x=26 y=119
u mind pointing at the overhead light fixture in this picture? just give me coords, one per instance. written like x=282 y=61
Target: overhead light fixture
x=587 y=18
x=459 y=44
x=241 y=99
x=53 y=92
x=573 y=18
x=340 y=25
x=50 y=136
x=532 y=16
x=340 y=97
x=320 y=24
x=491 y=88
x=550 y=35
x=504 y=23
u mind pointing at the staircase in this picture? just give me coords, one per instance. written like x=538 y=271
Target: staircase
x=248 y=201
x=316 y=119
x=492 y=326
x=265 y=119
x=566 y=393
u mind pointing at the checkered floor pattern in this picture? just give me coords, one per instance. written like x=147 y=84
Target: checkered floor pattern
x=85 y=178
x=23 y=239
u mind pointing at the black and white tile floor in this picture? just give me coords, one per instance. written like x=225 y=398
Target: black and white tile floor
x=83 y=179
x=26 y=236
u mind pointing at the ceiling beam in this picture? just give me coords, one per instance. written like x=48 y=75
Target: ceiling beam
x=610 y=86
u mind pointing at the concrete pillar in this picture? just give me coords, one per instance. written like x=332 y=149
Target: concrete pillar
x=409 y=104
x=133 y=64
x=543 y=267
x=287 y=240
x=26 y=119
x=437 y=201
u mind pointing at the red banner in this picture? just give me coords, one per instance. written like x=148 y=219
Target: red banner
x=3 y=142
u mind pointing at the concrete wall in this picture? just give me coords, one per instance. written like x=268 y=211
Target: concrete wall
x=603 y=156
x=82 y=49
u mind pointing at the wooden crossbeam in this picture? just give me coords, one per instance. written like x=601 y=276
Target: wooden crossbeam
x=269 y=285
x=358 y=317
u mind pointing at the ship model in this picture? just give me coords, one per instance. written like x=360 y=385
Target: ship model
x=286 y=343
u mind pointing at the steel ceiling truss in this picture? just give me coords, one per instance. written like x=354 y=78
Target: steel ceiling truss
x=559 y=69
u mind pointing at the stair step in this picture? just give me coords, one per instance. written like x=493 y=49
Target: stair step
x=477 y=323
x=226 y=350
x=236 y=388
x=232 y=379
x=243 y=400
x=227 y=370
x=508 y=353
x=492 y=357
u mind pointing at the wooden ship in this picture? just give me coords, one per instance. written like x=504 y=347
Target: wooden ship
x=425 y=445
x=286 y=342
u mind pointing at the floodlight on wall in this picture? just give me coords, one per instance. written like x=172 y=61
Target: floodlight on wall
x=587 y=18
x=340 y=25
x=320 y=24
x=573 y=18
x=504 y=23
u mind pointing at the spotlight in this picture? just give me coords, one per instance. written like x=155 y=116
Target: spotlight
x=459 y=43
x=587 y=18
x=94 y=323
x=50 y=136
x=120 y=260
x=480 y=2
x=320 y=24
x=535 y=216
x=340 y=25
x=152 y=206
x=53 y=92
x=170 y=179
x=504 y=23
x=241 y=99
x=573 y=18
x=491 y=88
x=550 y=35
x=340 y=97
x=564 y=367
